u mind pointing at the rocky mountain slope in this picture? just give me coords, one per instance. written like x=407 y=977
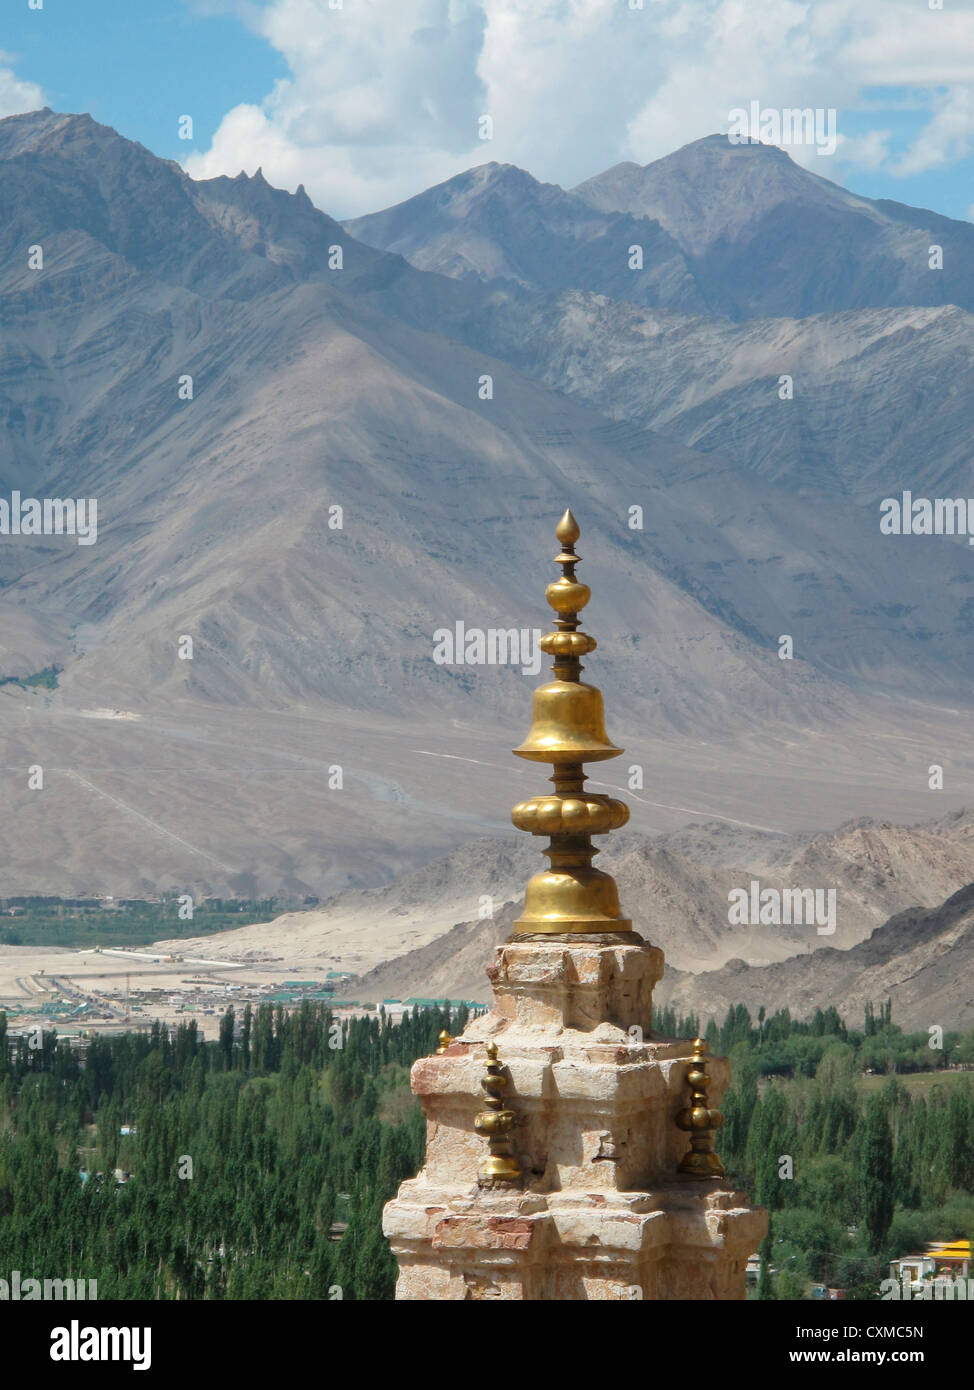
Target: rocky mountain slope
x=853 y=405
x=923 y=961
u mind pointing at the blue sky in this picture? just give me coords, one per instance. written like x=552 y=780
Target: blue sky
x=138 y=65
x=369 y=101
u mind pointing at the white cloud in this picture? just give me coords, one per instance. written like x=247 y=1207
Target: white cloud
x=383 y=99
x=869 y=151
x=16 y=95
x=947 y=136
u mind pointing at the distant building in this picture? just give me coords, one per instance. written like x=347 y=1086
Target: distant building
x=951 y=1258
x=443 y=1004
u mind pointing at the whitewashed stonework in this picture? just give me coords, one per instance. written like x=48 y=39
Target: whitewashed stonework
x=601 y=1211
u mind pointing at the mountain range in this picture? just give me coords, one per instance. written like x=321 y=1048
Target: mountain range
x=736 y=231
x=315 y=445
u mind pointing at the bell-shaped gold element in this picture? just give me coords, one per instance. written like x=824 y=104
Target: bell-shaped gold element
x=567 y=730
x=572 y=900
x=567 y=725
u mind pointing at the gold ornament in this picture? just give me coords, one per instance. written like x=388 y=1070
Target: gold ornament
x=700 y=1121
x=495 y=1124
x=567 y=730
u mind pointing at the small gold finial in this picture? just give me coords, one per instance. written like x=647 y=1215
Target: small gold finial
x=699 y=1120
x=496 y=1123
x=568 y=530
x=567 y=730
x=444 y=1041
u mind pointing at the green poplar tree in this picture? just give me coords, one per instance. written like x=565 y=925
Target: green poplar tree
x=876 y=1180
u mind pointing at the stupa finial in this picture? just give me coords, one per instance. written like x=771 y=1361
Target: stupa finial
x=567 y=730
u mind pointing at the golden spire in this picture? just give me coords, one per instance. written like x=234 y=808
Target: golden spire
x=567 y=730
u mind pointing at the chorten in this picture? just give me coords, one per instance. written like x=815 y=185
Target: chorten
x=570 y=1151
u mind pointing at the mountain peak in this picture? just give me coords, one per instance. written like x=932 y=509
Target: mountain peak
x=711 y=188
x=720 y=142
x=73 y=132
x=424 y=228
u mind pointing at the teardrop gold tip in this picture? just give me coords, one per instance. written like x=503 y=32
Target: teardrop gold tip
x=568 y=530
